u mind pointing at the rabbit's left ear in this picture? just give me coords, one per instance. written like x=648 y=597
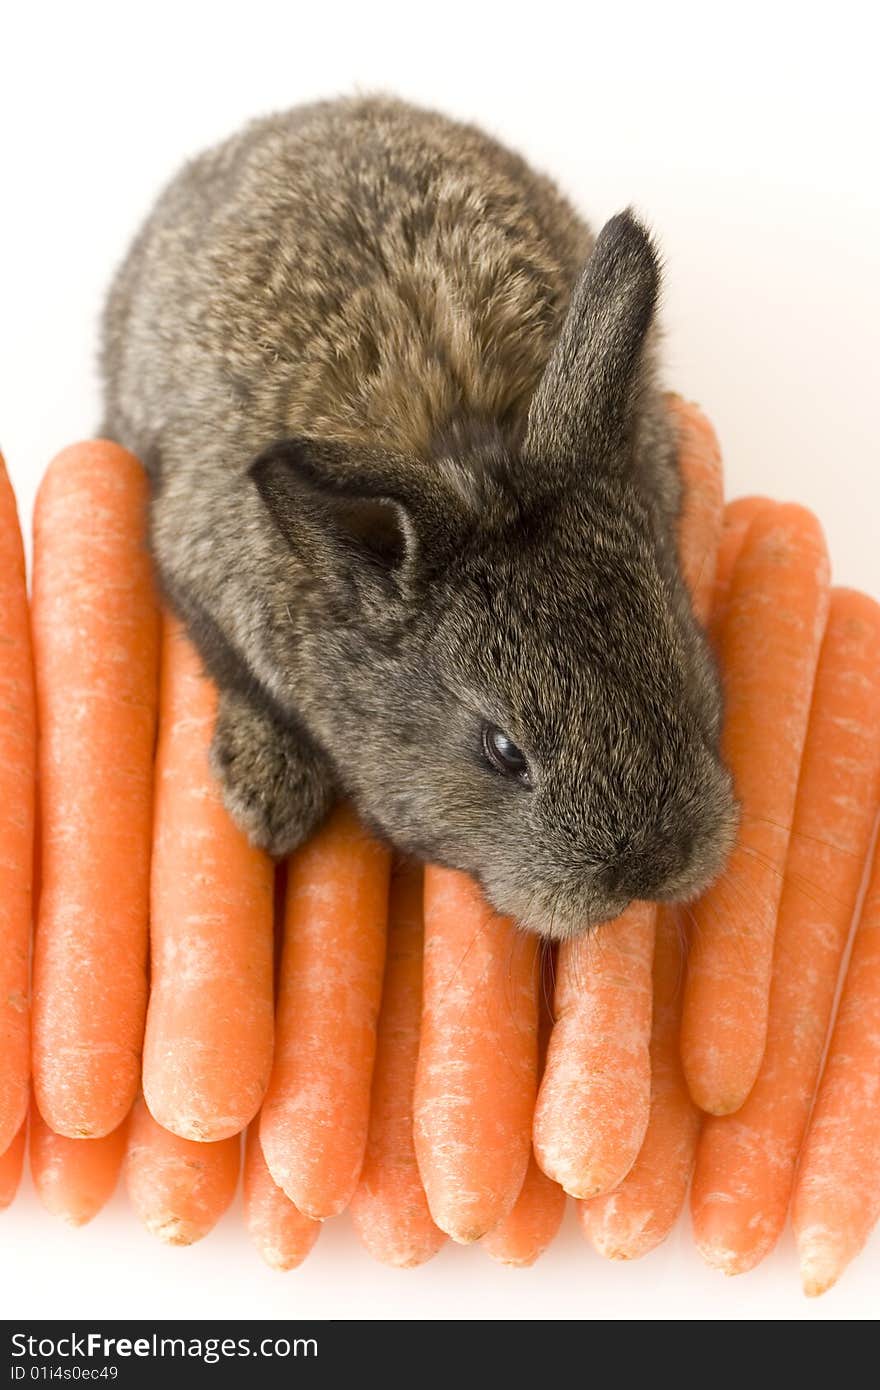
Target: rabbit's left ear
x=356 y=503
x=375 y=520
x=582 y=406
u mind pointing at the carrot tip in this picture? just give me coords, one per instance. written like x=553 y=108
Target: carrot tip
x=319 y=1213
x=200 y=1131
x=814 y=1285
x=277 y=1259
x=710 y=1102
x=76 y=1219
x=726 y=1107
x=619 y=1250
x=172 y=1230
x=404 y=1259
x=820 y=1270
x=586 y=1191
x=82 y=1131
x=721 y=1257
x=403 y=1255
x=75 y=1125
x=522 y=1263
x=464 y=1235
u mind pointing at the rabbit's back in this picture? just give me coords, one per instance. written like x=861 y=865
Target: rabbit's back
x=357 y=269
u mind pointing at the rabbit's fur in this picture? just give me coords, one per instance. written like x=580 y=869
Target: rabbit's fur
x=411 y=474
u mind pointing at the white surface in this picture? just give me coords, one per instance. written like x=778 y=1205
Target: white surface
x=748 y=140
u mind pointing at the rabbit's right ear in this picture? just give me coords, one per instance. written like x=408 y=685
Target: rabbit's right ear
x=582 y=407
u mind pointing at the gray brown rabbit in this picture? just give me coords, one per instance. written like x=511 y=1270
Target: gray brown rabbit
x=414 y=494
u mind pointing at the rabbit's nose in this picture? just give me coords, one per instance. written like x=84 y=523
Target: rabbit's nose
x=653 y=868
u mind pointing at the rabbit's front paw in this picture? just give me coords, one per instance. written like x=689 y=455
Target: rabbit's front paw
x=275 y=786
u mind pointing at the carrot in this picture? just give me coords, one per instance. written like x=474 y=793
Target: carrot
x=208 y=1044
x=282 y=1234
x=478 y=1054
x=389 y=1209
x=746 y=1163
x=837 y=1196
x=737 y=518
x=535 y=1217
x=178 y=1188
x=316 y=1113
x=74 y=1178
x=699 y=527
x=633 y=1219
x=769 y=647
x=96 y=651
x=11 y=1164
x=594 y=1101
x=532 y=1222
x=18 y=744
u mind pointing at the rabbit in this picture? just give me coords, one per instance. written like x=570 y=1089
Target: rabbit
x=414 y=495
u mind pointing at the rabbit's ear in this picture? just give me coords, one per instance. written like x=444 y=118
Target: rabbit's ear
x=357 y=508
x=582 y=407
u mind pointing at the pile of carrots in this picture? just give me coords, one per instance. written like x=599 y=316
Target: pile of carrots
x=381 y=1038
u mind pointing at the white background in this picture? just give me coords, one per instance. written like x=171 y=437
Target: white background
x=747 y=136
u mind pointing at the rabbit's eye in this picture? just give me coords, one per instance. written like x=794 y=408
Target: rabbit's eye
x=503 y=755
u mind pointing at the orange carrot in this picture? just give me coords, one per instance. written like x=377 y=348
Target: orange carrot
x=738 y=517
x=316 y=1113
x=769 y=648
x=532 y=1222
x=633 y=1219
x=208 y=1044
x=18 y=747
x=837 y=1197
x=535 y=1217
x=11 y=1164
x=478 y=1056
x=178 y=1188
x=594 y=1101
x=746 y=1163
x=389 y=1209
x=96 y=651
x=699 y=528
x=282 y=1234
x=74 y=1178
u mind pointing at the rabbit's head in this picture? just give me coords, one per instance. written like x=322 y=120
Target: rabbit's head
x=513 y=680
